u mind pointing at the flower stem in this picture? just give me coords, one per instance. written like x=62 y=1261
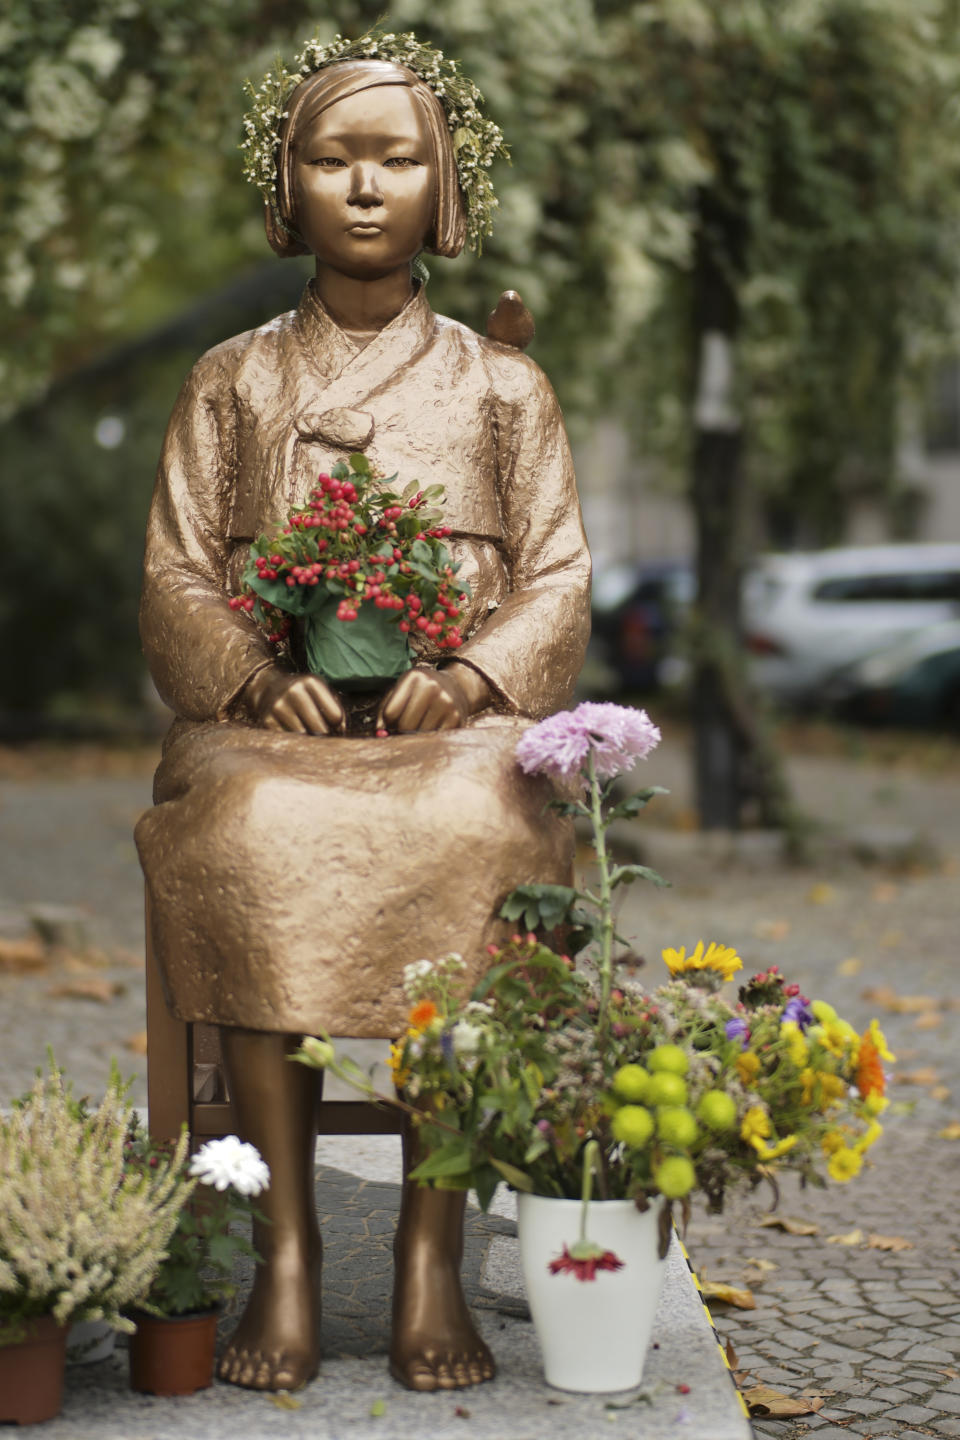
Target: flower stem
x=605 y=965
x=590 y=1153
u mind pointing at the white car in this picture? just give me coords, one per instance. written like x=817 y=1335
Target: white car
x=808 y=614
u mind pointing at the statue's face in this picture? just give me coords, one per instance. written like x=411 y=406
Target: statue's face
x=364 y=182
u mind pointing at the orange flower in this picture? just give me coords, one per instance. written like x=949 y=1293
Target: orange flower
x=870 y=1077
x=421 y=1015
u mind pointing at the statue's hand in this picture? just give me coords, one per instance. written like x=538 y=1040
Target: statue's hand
x=304 y=704
x=433 y=700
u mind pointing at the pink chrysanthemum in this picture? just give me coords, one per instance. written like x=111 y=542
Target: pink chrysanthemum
x=618 y=735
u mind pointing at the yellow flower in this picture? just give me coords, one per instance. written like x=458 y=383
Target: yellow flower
x=773 y=1152
x=870 y=1137
x=844 y=1163
x=880 y=1041
x=875 y=1104
x=748 y=1067
x=395 y=1063
x=722 y=958
x=797 y=1047
x=823 y=1011
x=839 y=1038
x=821 y=1088
x=756 y=1125
x=831 y=1142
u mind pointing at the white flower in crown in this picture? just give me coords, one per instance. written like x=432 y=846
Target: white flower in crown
x=231 y=1162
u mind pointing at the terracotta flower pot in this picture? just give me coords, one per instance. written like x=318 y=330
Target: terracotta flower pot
x=31 y=1372
x=173 y=1354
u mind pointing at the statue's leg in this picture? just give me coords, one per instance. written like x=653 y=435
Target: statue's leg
x=276 y=1345
x=434 y=1344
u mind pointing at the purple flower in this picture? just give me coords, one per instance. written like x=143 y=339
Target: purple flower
x=618 y=735
x=737 y=1029
x=798 y=1010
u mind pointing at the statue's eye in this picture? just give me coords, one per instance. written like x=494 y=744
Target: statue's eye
x=401 y=162
x=329 y=162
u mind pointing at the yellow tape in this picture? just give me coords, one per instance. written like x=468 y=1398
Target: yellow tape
x=706 y=1311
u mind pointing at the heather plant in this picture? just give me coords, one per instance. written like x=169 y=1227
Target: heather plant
x=81 y=1235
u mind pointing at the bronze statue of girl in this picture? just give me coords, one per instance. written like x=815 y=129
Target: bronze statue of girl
x=293 y=869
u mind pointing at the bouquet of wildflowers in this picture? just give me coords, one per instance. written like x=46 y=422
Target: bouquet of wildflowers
x=363 y=568
x=563 y=1077
x=217 y=1186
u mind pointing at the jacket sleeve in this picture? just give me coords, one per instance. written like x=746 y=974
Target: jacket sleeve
x=531 y=648
x=200 y=652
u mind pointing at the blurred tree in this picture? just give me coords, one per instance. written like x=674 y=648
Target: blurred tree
x=734 y=220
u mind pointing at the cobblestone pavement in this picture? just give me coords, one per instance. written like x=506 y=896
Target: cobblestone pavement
x=874 y=1332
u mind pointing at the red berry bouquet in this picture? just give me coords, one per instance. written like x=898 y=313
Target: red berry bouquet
x=360 y=568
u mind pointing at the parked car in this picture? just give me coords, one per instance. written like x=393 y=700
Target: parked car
x=637 y=611
x=808 y=615
x=915 y=682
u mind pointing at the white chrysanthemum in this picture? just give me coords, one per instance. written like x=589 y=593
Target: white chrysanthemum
x=231 y=1162
x=467 y=1038
x=418 y=970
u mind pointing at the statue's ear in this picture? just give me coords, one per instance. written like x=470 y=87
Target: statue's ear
x=279 y=238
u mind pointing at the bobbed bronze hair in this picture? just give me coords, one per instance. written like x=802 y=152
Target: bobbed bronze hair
x=336 y=82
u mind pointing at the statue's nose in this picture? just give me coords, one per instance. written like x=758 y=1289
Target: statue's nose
x=364 y=189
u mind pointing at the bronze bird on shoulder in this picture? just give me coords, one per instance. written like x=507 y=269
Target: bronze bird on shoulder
x=511 y=323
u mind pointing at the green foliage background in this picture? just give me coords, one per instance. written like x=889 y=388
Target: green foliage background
x=809 y=146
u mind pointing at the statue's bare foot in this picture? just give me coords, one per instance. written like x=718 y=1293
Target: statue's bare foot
x=435 y=1345
x=276 y=1345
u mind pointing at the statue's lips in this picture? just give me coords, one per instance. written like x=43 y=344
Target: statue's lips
x=361 y=229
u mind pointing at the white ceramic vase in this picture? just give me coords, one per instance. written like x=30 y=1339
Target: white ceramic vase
x=593 y=1333
x=89 y=1341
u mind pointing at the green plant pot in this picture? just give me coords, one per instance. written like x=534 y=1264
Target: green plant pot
x=363 y=654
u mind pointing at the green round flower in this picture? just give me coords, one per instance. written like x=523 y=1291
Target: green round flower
x=675 y=1177
x=669 y=1059
x=676 y=1125
x=632 y=1125
x=631 y=1081
x=666 y=1088
x=717 y=1110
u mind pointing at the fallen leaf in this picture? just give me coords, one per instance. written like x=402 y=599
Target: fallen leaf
x=728 y=1294
x=378 y=1408
x=951 y=1131
x=884 y=892
x=733 y=1359
x=889 y=1242
x=792 y=1227
x=136 y=1043
x=852 y=1237
x=756 y=1263
x=950 y=1373
x=851 y=966
x=285 y=1401
x=772 y=929
x=940 y=1092
x=102 y=991
x=929 y=1020
x=892 y=1000
x=763 y=1400
x=926 y=1075
x=821 y=894
x=19 y=956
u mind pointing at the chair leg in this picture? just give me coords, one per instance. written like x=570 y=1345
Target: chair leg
x=169 y=1058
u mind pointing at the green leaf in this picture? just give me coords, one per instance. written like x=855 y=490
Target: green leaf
x=453 y=1158
x=538 y=1145
x=513 y=1176
x=626 y=874
x=546 y=905
x=485 y=1182
x=632 y=805
x=359 y=463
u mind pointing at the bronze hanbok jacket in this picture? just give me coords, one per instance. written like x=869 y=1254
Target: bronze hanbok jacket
x=292 y=877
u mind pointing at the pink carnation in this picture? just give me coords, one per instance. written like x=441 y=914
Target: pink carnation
x=618 y=735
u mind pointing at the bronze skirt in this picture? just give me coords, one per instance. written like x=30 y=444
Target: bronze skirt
x=291 y=878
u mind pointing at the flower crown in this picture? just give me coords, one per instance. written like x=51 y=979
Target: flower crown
x=477 y=141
